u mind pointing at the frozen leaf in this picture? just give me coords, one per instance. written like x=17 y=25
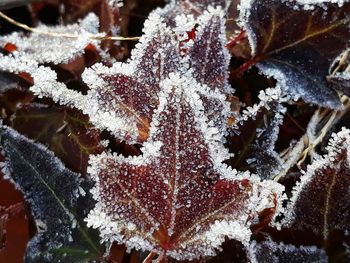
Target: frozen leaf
x=123 y=98
x=271 y=252
x=209 y=56
x=54 y=195
x=320 y=201
x=256 y=133
x=291 y=40
x=178 y=199
x=66 y=132
x=194 y=8
x=42 y=48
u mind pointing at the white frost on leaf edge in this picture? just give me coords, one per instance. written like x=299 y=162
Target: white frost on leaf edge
x=259 y=200
x=274 y=247
x=338 y=141
x=43 y=48
x=268 y=96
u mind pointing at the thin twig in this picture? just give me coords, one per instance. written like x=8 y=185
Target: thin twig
x=54 y=34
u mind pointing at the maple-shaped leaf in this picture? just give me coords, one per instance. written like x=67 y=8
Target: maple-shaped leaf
x=123 y=98
x=55 y=195
x=320 y=202
x=177 y=199
x=43 y=48
x=270 y=251
x=296 y=41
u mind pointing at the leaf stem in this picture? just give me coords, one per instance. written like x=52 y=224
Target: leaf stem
x=238 y=38
x=150 y=257
x=54 y=34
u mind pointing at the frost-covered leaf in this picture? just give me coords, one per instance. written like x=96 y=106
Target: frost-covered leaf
x=271 y=252
x=177 y=199
x=66 y=132
x=193 y=8
x=42 y=48
x=296 y=41
x=320 y=201
x=123 y=98
x=208 y=55
x=54 y=195
x=256 y=133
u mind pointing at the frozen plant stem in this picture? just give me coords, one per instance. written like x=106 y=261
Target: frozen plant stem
x=310 y=141
x=53 y=34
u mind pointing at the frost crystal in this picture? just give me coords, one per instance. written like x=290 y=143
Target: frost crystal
x=123 y=98
x=182 y=201
x=43 y=48
x=324 y=190
x=269 y=251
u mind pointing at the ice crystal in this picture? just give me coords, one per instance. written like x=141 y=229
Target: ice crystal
x=324 y=190
x=289 y=53
x=43 y=48
x=122 y=98
x=269 y=251
x=177 y=199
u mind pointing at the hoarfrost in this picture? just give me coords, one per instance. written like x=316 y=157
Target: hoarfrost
x=326 y=180
x=187 y=174
x=44 y=48
x=271 y=252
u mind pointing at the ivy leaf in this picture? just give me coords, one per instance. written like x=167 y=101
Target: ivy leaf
x=269 y=251
x=65 y=131
x=324 y=190
x=122 y=98
x=291 y=40
x=53 y=194
x=209 y=56
x=178 y=199
x=257 y=131
x=39 y=48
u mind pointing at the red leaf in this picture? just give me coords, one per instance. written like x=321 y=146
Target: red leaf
x=177 y=199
